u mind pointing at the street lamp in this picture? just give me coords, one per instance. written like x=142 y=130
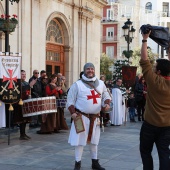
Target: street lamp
x=128 y=34
x=7 y=48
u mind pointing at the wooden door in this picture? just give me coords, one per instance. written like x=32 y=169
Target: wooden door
x=54 y=48
x=54 y=59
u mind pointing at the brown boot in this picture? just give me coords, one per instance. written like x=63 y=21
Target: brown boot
x=77 y=165
x=96 y=165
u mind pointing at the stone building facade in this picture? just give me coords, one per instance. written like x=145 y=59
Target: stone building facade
x=140 y=12
x=56 y=35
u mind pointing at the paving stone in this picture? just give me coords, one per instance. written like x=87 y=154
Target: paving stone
x=118 y=150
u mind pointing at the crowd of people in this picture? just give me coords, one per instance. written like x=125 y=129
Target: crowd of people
x=39 y=87
x=131 y=102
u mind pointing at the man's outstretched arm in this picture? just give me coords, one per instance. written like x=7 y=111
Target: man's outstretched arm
x=144 y=53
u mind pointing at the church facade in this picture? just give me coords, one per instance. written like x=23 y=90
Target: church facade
x=56 y=35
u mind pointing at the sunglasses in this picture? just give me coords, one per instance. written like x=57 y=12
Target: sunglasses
x=36 y=73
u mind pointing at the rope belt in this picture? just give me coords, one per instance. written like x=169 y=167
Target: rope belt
x=92 y=118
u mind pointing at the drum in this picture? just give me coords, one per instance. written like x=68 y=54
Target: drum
x=39 y=106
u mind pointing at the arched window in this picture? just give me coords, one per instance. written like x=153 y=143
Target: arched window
x=148 y=7
x=54 y=32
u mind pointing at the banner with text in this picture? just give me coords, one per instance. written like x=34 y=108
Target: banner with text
x=10 y=79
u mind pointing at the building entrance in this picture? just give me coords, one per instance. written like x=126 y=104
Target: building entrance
x=54 y=48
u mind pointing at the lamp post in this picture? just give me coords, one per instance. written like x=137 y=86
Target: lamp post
x=7 y=47
x=128 y=34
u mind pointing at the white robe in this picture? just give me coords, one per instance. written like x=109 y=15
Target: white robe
x=117 y=114
x=77 y=97
x=81 y=138
x=2 y=115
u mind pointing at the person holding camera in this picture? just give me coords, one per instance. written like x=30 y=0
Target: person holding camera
x=156 y=126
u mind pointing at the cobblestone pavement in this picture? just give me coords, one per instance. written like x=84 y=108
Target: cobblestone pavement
x=118 y=150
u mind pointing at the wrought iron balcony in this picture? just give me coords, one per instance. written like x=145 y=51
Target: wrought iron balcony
x=106 y=39
x=106 y=19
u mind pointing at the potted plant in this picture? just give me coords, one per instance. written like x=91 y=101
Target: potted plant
x=8 y=24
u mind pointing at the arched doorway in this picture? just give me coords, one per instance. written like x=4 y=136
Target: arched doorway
x=54 y=48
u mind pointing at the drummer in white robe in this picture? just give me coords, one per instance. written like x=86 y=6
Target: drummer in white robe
x=2 y=115
x=85 y=97
x=117 y=114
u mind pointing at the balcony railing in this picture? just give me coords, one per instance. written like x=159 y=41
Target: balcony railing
x=110 y=2
x=108 y=39
x=106 y=19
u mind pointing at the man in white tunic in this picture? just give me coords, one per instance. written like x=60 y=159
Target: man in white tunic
x=116 y=116
x=86 y=97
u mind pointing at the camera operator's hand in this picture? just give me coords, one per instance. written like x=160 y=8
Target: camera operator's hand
x=145 y=36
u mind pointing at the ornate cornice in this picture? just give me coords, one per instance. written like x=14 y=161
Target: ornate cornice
x=86 y=13
x=100 y=3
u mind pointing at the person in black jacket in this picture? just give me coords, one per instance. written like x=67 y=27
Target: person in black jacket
x=18 y=113
x=140 y=94
x=36 y=92
x=131 y=104
x=44 y=80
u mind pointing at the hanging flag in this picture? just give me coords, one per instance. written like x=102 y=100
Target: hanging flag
x=10 y=79
x=128 y=75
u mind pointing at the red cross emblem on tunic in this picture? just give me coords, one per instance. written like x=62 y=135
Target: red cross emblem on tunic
x=93 y=96
x=10 y=79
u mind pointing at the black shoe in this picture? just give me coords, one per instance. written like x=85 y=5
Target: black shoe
x=96 y=165
x=31 y=125
x=38 y=125
x=27 y=136
x=77 y=165
x=105 y=125
x=56 y=131
x=23 y=137
x=112 y=125
x=40 y=132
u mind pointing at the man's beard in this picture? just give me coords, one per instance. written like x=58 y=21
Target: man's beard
x=89 y=76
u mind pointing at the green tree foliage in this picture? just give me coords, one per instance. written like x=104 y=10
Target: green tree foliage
x=136 y=58
x=117 y=73
x=105 y=64
x=118 y=69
